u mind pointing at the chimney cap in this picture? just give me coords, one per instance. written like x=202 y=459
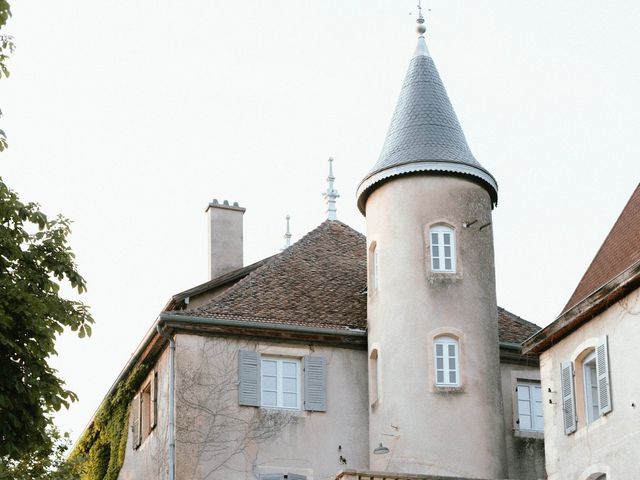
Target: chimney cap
x=225 y=205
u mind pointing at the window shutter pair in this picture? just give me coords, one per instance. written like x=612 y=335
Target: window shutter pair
x=136 y=426
x=315 y=381
x=568 y=388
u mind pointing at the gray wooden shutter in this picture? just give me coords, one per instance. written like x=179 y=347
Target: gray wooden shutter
x=568 y=398
x=249 y=378
x=315 y=384
x=153 y=421
x=136 y=423
x=602 y=368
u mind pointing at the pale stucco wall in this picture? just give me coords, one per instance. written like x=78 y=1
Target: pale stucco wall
x=459 y=431
x=611 y=444
x=525 y=450
x=305 y=443
x=149 y=461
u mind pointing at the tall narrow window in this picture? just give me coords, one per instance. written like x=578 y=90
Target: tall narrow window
x=446 y=362
x=443 y=249
x=590 y=377
x=373 y=266
x=280 y=382
x=530 y=406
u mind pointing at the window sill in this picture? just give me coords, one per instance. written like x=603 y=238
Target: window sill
x=293 y=412
x=528 y=434
x=448 y=389
x=439 y=278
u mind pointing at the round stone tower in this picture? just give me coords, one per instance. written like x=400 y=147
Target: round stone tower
x=434 y=367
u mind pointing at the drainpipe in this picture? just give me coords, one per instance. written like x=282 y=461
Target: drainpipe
x=171 y=435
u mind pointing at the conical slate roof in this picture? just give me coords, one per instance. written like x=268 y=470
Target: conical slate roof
x=424 y=135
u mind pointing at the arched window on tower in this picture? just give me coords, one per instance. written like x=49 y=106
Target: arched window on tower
x=373 y=267
x=442 y=249
x=447 y=362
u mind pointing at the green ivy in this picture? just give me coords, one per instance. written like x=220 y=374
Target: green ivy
x=100 y=452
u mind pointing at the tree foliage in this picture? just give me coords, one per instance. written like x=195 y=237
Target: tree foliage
x=6 y=48
x=34 y=258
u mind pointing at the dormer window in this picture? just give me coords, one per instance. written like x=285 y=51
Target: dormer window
x=443 y=257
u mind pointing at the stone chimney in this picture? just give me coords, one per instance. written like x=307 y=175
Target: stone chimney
x=225 y=237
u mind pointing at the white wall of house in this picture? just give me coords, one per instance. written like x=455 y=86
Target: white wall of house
x=218 y=439
x=610 y=444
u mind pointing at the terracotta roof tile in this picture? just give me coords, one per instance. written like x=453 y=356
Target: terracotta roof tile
x=319 y=281
x=512 y=328
x=619 y=251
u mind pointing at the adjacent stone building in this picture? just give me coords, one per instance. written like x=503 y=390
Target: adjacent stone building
x=587 y=360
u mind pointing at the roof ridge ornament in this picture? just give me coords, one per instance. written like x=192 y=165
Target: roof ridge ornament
x=421 y=28
x=331 y=195
x=287 y=236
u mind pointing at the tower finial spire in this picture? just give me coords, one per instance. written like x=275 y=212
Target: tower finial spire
x=287 y=236
x=331 y=194
x=421 y=28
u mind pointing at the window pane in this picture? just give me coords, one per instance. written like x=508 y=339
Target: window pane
x=289 y=385
x=452 y=377
x=290 y=369
x=452 y=350
x=269 y=367
x=523 y=392
x=452 y=363
x=447 y=251
x=436 y=263
x=439 y=349
x=434 y=239
x=447 y=238
x=435 y=251
x=290 y=400
x=269 y=383
x=447 y=264
x=525 y=422
x=269 y=399
x=439 y=363
x=440 y=376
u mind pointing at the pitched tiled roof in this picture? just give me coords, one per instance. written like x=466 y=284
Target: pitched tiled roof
x=320 y=281
x=512 y=328
x=620 y=250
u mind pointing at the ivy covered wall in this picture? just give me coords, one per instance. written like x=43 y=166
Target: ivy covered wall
x=100 y=452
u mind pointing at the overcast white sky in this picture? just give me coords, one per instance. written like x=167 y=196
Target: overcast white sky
x=129 y=116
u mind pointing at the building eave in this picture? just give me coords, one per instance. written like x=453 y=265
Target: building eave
x=597 y=302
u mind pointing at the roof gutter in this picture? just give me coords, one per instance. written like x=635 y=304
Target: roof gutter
x=602 y=298
x=178 y=319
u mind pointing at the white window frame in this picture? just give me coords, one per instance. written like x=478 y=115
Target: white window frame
x=280 y=361
x=445 y=342
x=530 y=405
x=589 y=363
x=437 y=249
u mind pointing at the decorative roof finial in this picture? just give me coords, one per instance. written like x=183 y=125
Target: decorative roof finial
x=421 y=28
x=331 y=194
x=287 y=236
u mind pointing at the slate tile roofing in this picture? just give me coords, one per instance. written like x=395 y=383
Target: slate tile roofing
x=320 y=281
x=425 y=134
x=619 y=251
